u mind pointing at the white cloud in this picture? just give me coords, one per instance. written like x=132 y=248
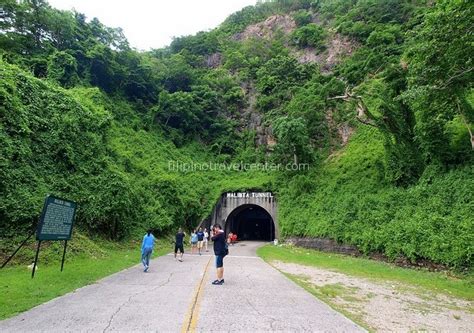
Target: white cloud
x=152 y=23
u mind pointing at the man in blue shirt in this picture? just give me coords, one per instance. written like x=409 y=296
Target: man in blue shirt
x=147 y=248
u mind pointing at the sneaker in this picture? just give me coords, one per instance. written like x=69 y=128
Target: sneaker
x=181 y=260
x=146 y=269
x=216 y=282
x=221 y=281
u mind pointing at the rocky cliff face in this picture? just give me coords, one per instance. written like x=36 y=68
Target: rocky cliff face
x=268 y=28
x=337 y=48
x=251 y=119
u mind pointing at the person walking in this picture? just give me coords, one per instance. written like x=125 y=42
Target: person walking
x=206 y=239
x=220 y=251
x=194 y=241
x=179 y=244
x=200 y=235
x=147 y=248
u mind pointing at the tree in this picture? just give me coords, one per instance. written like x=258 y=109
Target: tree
x=380 y=106
x=292 y=140
x=62 y=67
x=278 y=74
x=308 y=103
x=203 y=43
x=178 y=110
x=440 y=77
x=179 y=75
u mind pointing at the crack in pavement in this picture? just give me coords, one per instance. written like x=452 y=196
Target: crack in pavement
x=111 y=319
x=272 y=320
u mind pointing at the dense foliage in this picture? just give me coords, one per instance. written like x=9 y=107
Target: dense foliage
x=68 y=142
x=86 y=116
x=347 y=200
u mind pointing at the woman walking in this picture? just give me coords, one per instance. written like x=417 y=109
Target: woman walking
x=147 y=248
x=194 y=241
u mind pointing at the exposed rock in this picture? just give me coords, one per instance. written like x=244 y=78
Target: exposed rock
x=268 y=28
x=251 y=119
x=340 y=133
x=271 y=141
x=214 y=60
x=345 y=132
x=338 y=47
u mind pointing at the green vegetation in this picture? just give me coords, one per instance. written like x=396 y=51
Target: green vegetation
x=21 y=293
x=347 y=199
x=311 y=35
x=85 y=116
x=451 y=284
x=454 y=285
x=119 y=174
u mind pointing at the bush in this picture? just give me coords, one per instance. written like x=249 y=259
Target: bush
x=302 y=17
x=311 y=35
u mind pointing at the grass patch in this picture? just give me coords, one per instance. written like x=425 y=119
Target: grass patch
x=461 y=286
x=20 y=292
x=328 y=294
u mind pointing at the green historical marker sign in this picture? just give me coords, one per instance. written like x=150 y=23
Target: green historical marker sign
x=56 y=219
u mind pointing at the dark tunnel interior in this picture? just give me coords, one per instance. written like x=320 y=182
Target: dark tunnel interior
x=251 y=222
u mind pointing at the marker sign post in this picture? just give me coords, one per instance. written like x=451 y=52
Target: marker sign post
x=55 y=223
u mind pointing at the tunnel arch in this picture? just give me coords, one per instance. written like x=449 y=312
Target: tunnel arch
x=251 y=222
x=235 y=203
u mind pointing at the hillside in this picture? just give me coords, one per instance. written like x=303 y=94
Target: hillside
x=376 y=96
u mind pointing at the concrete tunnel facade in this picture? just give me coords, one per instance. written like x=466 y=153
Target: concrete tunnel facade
x=251 y=215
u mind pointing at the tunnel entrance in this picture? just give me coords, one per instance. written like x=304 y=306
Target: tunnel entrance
x=251 y=222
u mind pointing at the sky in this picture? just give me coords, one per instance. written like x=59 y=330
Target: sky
x=151 y=24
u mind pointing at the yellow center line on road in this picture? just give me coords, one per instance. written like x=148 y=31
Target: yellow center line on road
x=192 y=316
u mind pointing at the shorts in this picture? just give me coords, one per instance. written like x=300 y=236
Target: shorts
x=178 y=247
x=219 y=261
x=193 y=243
x=200 y=244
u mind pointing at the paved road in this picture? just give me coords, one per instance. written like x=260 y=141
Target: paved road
x=178 y=297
